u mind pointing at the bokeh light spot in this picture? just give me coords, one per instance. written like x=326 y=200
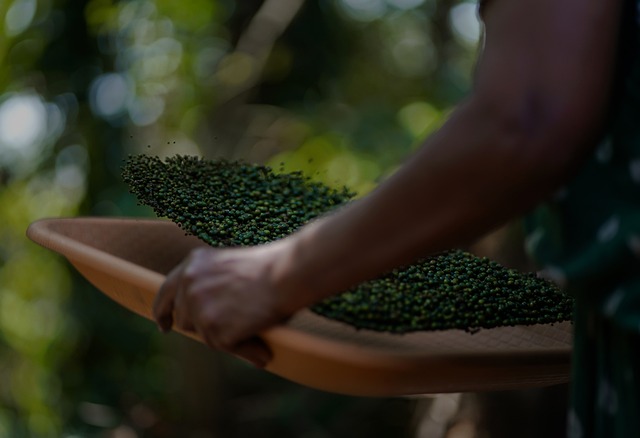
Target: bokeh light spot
x=419 y=118
x=19 y=16
x=109 y=95
x=161 y=58
x=207 y=58
x=23 y=123
x=146 y=110
x=464 y=22
x=405 y=4
x=364 y=10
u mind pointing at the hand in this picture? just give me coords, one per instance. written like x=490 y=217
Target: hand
x=226 y=296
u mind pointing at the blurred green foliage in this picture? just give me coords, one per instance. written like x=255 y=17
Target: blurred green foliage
x=342 y=89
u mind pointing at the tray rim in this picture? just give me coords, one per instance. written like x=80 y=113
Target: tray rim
x=282 y=339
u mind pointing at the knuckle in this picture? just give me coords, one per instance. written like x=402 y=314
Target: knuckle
x=201 y=253
x=197 y=252
x=190 y=273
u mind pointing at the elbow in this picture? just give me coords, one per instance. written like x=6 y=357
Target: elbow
x=538 y=135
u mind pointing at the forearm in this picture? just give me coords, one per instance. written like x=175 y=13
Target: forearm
x=539 y=99
x=474 y=174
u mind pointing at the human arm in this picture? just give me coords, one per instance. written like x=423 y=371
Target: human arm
x=540 y=93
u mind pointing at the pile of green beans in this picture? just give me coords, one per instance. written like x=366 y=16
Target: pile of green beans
x=229 y=204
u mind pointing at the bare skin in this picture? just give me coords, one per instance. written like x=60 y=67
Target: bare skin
x=541 y=90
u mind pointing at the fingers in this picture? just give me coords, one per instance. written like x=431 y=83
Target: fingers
x=254 y=350
x=221 y=333
x=164 y=302
x=213 y=296
x=183 y=314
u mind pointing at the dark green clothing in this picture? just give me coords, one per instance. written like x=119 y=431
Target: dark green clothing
x=588 y=239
